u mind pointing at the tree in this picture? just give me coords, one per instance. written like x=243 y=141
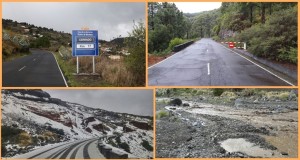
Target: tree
x=136 y=61
x=166 y=22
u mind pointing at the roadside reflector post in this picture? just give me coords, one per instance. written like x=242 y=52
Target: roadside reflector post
x=244 y=45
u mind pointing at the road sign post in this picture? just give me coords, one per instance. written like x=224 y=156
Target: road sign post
x=85 y=43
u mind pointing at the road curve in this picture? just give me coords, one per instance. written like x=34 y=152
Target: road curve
x=38 y=69
x=82 y=149
x=208 y=63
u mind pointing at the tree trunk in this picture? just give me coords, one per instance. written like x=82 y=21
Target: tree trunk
x=263 y=12
x=152 y=16
x=251 y=13
x=270 y=8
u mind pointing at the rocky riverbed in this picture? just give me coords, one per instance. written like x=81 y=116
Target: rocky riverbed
x=248 y=128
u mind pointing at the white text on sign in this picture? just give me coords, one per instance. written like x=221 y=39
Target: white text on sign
x=85 y=46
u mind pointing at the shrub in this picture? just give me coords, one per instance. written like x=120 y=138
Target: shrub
x=161 y=114
x=176 y=102
x=276 y=39
x=284 y=96
x=125 y=146
x=146 y=145
x=24 y=139
x=174 y=42
x=218 y=91
x=248 y=92
x=229 y=95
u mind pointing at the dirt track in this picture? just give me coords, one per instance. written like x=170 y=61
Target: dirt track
x=247 y=129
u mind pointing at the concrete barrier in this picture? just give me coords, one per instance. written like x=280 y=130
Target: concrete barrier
x=182 y=46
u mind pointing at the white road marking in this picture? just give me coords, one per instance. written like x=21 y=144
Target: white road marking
x=207 y=50
x=22 y=68
x=208 y=69
x=60 y=71
x=260 y=67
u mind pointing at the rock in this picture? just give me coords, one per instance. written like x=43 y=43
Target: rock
x=189 y=139
x=176 y=102
x=186 y=104
x=293 y=95
x=222 y=150
x=193 y=130
x=190 y=147
x=238 y=103
x=187 y=155
x=195 y=124
x=284 y=154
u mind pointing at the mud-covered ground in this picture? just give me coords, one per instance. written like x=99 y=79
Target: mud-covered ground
x=246 y=129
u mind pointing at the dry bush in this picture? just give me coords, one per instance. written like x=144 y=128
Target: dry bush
x=111 y=71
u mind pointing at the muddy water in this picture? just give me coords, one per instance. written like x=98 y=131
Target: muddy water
x=241 y=145
x=283 y=126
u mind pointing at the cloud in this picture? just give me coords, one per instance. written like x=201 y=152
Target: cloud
x=111 y=19
x=138 y=102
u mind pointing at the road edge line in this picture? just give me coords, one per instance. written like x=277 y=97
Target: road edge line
x=60 y=70
x=286 y=81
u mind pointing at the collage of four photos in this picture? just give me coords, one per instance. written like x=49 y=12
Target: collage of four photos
x=149 y=80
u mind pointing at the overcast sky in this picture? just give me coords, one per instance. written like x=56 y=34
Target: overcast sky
x=139 y=102
x=110 y=19
x=193 y=7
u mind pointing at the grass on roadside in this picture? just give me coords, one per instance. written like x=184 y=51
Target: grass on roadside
x=112 y=72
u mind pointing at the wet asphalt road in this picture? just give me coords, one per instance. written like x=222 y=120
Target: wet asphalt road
x=208 y=63
x=38 y=69
x=82 y=149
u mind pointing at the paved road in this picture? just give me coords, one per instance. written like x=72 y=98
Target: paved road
x=83 y=149
x=36 y=70
x=208 y=63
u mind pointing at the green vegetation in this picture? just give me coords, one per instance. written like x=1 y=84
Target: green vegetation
x=12 y=45
x=41 y=42
x=224 y=95
x=268 y=28
x=166 y=22
x=128 y=71
x=218 y=91
x=136 y=61
x=122 y=145
x=174 y=42
x=161 y=114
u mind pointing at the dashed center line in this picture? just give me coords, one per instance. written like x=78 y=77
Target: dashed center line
x=208 y=69
x=22 y=68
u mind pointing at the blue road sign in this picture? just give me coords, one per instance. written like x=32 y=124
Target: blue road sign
x=85 y=43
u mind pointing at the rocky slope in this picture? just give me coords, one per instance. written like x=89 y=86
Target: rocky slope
x=31 y=118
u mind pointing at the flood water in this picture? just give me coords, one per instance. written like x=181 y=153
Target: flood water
x=243 y=146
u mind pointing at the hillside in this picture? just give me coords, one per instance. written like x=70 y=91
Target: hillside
x=32 y=118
